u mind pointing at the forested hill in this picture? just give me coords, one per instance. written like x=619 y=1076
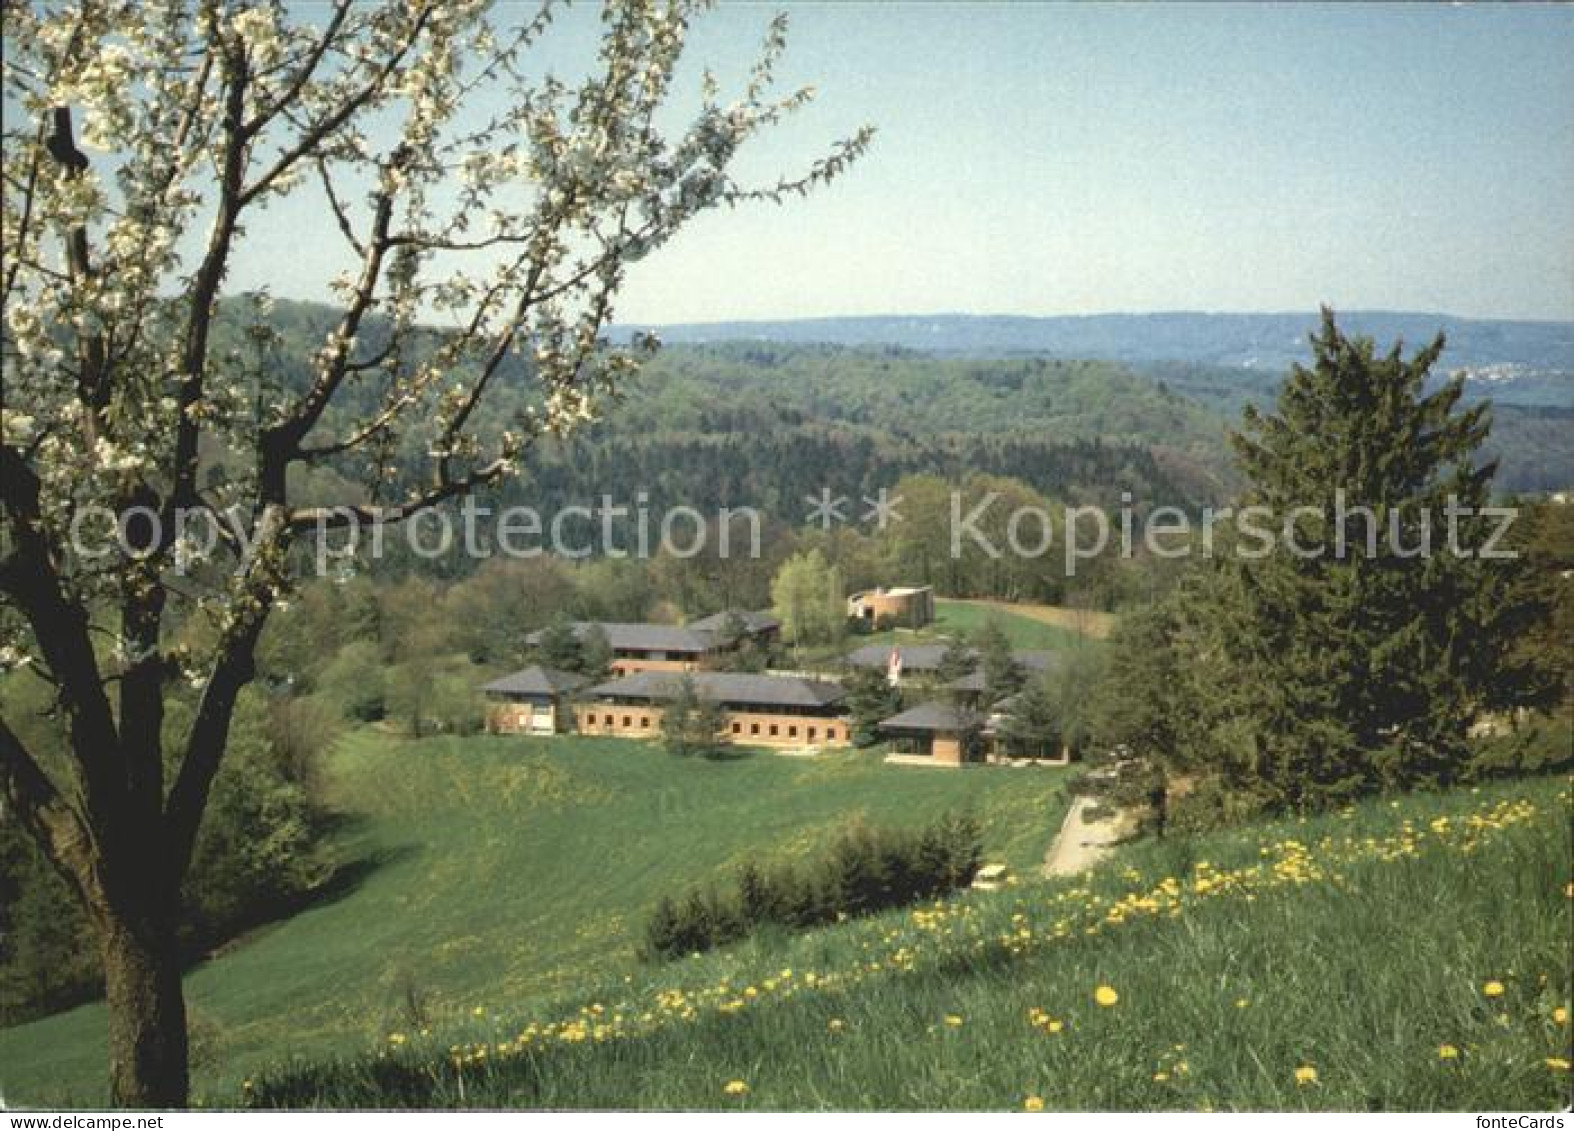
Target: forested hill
x=1269 y=342
x=1072 y=428
x=747 y=386
x=765 y=423
x=768 y=426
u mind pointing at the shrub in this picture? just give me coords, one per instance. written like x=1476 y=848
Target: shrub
x=865 y=870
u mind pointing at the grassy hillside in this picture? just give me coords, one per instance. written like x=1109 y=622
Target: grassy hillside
x=1021 y=627
x=1080 y=623
x=508 y=870
x=1403 y=955
x=1026 y=626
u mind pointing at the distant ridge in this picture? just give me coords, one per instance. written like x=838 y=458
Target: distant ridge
x=1501 y=348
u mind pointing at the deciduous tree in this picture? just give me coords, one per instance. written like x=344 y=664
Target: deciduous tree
x=810 y=600
x=142 y=143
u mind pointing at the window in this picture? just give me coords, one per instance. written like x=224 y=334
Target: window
x=830 y=732
x=792 y=732
x=754 y=728
x=773 y=730
x=644 y=721
x=813 y=731
x=737 y=728
x=609 y=720
x=628 y=722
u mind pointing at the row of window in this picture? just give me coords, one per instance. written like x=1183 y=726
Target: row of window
x=609 y=720
x=773 y=730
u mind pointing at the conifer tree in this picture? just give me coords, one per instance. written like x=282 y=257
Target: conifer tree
x=1030 y=727
x=559 y=646
x=690 y=723
x=595 y=653
x=958 y=659
x=870 y=698
x=1003 y=675
x=1141 y=719
x=1356 y=652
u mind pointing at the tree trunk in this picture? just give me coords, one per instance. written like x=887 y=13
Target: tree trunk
x=148 y=1064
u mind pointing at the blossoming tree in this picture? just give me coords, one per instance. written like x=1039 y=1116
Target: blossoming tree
x=489 y=216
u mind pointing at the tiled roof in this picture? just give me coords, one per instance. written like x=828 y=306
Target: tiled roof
x=1036 y=660
x=536 y=680
x=972 y=681
x=915 y=657
x=933 y=716
x=926 y=657
x=1032 y=662
x=753 y=622
x=725 y=688
x=642 y=637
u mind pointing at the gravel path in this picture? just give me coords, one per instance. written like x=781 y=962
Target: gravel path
x=1079 y=845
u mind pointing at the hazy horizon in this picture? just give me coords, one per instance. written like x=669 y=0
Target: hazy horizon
x=1176 y=312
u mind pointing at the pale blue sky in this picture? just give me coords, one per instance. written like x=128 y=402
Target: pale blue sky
x=1052 y=159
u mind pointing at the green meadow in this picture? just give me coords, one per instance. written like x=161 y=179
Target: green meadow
x=963 y=618
x=1410 y=955
x=504 y=872
x=478 y=947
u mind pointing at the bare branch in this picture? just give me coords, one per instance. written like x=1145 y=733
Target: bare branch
x=339 y=214
x=300 y=421
x=60 y=625
x=332 y=518
x=43 y=810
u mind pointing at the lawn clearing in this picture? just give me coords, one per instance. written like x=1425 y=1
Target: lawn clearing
x=503 y=871
x=1082 y=622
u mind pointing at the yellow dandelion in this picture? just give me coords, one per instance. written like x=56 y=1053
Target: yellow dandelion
x=1106 y=996
x=1053 y=1025
x=1241 y=1003
x=1447 y=1052
x=1560 y=1016
x=736 y=1088
x=1493 y=989
x=1161 y=1077
x=836 y=1025
x=1305 y=1075
x=953 y=1020
x=1033 y=1103
x=1557 y=1064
